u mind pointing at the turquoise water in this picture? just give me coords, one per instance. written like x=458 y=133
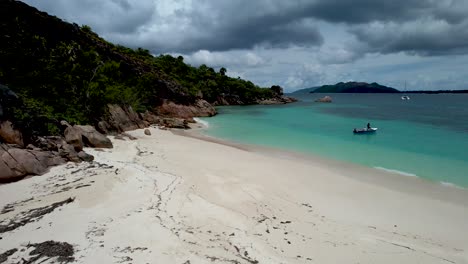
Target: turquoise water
x=425 y=137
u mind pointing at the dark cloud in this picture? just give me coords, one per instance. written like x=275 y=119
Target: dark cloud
x=422 y=37
x=188 y=26
x=296 y=44
x=105 y=17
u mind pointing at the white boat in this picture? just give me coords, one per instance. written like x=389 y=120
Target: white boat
x=405 y=97
x=365 y=130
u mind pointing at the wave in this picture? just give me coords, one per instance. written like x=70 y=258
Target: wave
x=202 y=122
x=404 y=173
x=449 y=184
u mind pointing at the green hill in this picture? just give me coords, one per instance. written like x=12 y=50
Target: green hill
x=305 y=90
x=355 y=87
x=65 y=71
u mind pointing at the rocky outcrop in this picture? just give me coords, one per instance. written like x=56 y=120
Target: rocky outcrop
x=92 y=138
x=79 y=136
x=74 y=138
x=174 y=123
x=9 y=134
x=277 y=100
x=325 y=99
x=121 y=119
x=17 y=163
x=171 y=109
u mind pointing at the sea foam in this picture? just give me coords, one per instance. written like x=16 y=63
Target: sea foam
x=202 y=122
x=449 y=184
x=404 y=173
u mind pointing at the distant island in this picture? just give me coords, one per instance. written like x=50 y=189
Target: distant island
x=363 y=87
x=355 y=87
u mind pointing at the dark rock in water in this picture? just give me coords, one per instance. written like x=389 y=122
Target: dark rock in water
x=92 y=138
x=147 y=132
x=325 y=99
x=9 y=134
x=277 y=100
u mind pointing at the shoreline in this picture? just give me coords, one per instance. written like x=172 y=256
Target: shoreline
x=383 y=177
x=171 y=198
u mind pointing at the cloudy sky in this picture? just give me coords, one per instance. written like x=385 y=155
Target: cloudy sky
x=297 y=43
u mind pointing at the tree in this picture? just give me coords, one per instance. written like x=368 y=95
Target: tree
x=222 y=71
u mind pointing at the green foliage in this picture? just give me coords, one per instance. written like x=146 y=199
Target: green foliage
x=207 y=82
x=355 y=87
x=62 y=71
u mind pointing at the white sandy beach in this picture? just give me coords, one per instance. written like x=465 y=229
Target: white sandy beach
x=168 y=198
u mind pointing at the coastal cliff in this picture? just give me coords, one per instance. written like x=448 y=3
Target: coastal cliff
x=53 y=71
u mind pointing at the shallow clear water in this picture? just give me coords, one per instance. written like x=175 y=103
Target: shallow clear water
x=426 y=136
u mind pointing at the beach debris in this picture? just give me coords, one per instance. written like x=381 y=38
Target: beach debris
x=63 y=251
x=32 y=215
x=4 y=256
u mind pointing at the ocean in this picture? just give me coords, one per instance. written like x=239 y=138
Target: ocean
x=425 y=137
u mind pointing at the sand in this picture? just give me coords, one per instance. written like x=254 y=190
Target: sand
x=170 y=198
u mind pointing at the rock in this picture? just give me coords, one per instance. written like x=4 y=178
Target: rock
x=73 y=137
x=103 y=127
x=32 y=147
x=325 y=99
x=277 y=100
x=9 y=134
x=68 y=152
x=199 y=108
x=64 y=123
x=85 y=156
x=92 y=138
x=147 y=132
x=151 y=118
x=123 y=119
x=129 y=136
x=119 y=137
x=50 y=143
x=17 y=163
x=175 y=123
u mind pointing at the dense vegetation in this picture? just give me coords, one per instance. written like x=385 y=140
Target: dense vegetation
x=355 y=87
x=63 y=71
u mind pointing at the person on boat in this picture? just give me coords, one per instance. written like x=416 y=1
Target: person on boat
x=355 y=131
x=368 y=126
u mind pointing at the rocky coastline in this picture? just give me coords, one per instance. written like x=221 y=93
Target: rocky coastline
x=22 y=156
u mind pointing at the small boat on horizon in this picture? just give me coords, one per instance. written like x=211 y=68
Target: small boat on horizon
x=365 y=130
x=405 y=97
